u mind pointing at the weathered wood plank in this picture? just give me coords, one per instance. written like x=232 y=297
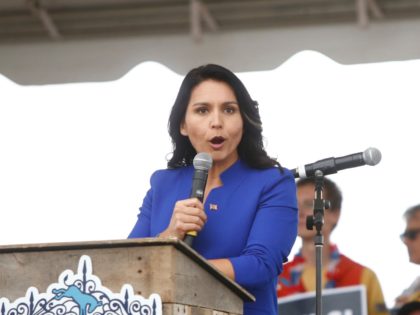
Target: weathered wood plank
x=180 y=309
x=179 y=276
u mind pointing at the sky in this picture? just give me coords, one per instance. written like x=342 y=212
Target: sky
x=76 y=159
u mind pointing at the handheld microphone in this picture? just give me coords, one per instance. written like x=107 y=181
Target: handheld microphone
x=370 y=156
x=202 y=163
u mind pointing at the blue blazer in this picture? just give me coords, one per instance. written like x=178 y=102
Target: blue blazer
x=252 y=221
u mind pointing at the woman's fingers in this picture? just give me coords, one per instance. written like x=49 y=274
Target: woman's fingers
x=188 y=222
x=191 y=207
x=188 y=215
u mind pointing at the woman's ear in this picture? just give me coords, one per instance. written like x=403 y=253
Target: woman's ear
x=183 y=130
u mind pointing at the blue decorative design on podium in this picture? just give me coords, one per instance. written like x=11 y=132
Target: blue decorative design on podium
x=81 y=294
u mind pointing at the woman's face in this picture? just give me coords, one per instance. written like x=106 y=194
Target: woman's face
x=213 y=122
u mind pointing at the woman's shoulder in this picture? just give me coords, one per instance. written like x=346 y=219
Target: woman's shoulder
x=272 y=173
x=269 y=179
x=169 y=174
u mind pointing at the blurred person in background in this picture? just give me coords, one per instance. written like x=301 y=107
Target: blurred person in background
x=411 y=238
x=411 y=308
x=338 y=270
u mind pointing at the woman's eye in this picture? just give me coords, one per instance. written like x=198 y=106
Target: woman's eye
x=201 y=110
x=230 y=110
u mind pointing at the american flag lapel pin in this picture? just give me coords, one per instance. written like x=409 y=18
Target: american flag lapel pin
x=213 y=207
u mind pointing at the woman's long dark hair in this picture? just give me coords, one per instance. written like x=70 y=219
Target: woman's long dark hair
x=250 y=149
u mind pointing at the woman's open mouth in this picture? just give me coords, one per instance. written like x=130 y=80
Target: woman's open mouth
x=217 y=142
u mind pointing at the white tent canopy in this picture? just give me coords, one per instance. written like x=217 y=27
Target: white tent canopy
x=61 y=41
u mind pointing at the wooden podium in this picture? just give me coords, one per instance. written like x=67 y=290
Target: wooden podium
x=185 y=281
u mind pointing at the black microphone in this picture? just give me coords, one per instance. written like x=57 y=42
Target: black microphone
x=202 y=163
x=370 y=156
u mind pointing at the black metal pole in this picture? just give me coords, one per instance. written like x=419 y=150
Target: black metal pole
x=317 y=220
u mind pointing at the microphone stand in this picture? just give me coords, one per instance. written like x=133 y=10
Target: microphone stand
x=317 y=220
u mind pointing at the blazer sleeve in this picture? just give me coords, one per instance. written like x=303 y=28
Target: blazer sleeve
x=142 y=226
x=272 y=235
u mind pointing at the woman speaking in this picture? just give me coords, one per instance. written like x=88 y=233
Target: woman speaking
x=247 y=222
